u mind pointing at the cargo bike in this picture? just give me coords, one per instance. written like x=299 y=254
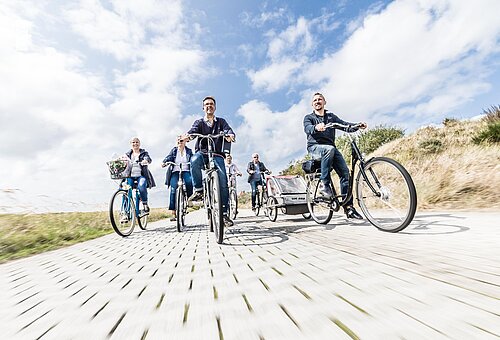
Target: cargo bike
x=288 y=194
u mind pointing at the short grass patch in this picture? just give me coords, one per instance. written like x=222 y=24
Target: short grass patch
x=28 y=234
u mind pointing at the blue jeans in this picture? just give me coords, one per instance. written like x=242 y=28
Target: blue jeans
x=253 y=185
x=331 y=158
x=174 y=179
x=142 y=185
x=198 y=162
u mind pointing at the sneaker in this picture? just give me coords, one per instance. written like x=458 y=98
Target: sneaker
x=326 y=189
x=124 y=219
x=146 y=207
x=350 y=212
x=196 y=196
x=227 y=221
x=173 y=219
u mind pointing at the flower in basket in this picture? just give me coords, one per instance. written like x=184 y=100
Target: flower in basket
x=119 y=167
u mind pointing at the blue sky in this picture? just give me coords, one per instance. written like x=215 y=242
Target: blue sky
x=80 y=78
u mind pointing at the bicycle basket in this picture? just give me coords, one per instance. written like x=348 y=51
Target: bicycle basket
x=311 y=166
x=119 y=168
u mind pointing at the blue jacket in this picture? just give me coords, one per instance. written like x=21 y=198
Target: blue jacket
x=326 y=137
x=220 y=124
x=171 y=158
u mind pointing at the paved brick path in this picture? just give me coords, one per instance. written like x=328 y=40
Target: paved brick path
x=291 y=279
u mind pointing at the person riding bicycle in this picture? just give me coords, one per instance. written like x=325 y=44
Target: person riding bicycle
x=179 y=154
x=321 y=145
x=140 y=160
x=255 y=168
x=210 y=125
x=232 y=171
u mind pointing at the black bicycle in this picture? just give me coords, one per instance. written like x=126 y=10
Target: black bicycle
x=212 y=189
x=262 y=196
x=385 y=191
x=181 y=198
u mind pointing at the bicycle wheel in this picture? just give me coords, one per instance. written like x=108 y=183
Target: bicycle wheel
x=264 y=202
x=318 y=206
x=143 y=217
x=216 y=203
x=122 y=213
x=233 y=204
x=387 y=195
x=180 y=204
x=272 y=208
x=257 y=203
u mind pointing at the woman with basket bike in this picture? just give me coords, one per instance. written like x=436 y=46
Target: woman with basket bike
x=124 y=207
x=211 y=132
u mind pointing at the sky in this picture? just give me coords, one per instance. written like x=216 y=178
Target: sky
x=78 y=79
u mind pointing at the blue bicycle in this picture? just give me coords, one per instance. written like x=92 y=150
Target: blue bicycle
x=124 y=207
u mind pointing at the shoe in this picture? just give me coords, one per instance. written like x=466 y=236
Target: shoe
x=173 y=219
x=227 y=221
x=196 y=196
x=124 y=219
x=326 y=189
x=146 y=207
x=350 y=212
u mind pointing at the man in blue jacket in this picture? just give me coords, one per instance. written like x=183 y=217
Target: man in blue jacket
x=321 y=145
x=210 y=125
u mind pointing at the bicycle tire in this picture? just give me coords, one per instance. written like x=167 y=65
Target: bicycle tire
x=393 y=207
x=272 y=209
x=256 y=209
x=141 y=219
x=264 y=201
x=180 y=201
x=217 y=217
x=318 y=207
x=122 y=205
x=233 y=204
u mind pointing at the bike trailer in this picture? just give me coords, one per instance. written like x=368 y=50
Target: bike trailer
x=290 y=192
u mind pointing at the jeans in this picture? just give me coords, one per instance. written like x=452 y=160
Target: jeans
x=142 y=185
x=332 y=158
x=198 y=161
x=174 y=179
x=253 y=185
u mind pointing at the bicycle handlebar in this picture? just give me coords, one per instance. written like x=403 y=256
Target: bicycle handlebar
x=218 y=135
x=174 y=164
x=348 y=128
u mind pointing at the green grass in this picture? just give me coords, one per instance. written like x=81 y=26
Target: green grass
x=29 y=234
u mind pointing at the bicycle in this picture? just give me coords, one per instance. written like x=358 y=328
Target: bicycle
x=124 y=208
x=181 y=198
x=212 y=197
x=233 y=197
x=262 y=196
x=385 y=190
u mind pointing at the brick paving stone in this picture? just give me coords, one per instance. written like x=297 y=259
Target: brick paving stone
x=290 y=279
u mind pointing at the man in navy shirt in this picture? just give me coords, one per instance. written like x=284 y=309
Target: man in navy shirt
x=321 y=145
x=210 y=125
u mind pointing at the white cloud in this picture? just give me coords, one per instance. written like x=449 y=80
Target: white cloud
x=286 y=52
x=276 y=136
x=412 y=52
x=63 y=121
